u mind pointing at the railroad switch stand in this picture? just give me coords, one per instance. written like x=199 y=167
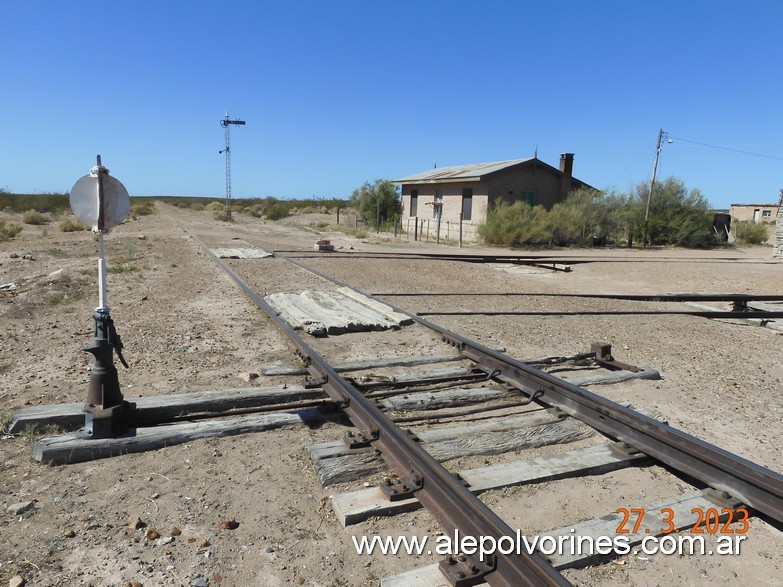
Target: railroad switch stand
x=102 y=202
x=105 y=411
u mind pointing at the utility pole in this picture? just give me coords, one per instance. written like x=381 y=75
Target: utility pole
x=226 y=123
x=646 y=234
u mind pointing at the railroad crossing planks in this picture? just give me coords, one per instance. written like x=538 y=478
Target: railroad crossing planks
x=334 y=312
x=254 y=253
x=356 y=506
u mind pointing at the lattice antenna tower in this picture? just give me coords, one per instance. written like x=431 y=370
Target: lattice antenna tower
x=226 y=124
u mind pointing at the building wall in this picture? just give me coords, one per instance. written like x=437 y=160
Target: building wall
x=548 y=186
x=545 y=184
x=767 y=212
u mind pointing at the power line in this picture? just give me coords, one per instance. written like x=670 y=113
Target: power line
x=728 y=149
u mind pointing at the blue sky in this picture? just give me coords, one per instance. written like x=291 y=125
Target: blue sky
x=338 y=92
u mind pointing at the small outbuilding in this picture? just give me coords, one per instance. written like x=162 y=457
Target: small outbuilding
x=457 y=198
x=754 y=212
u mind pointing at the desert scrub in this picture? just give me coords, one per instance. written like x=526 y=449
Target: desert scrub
x=215 y=207
x=750 y=233
x=34 y=217
x=9 y=230
x=71 y=224
x=142 y=209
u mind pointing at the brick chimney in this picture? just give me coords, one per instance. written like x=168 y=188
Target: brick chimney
x=567 y=167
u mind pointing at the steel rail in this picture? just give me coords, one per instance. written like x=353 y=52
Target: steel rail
x=686 y=297
x=723 y=314
x=449 y=501
x=510 y=258
x=756 y=486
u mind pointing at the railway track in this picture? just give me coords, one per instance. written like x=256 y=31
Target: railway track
x=739 y=485
x=412 y=476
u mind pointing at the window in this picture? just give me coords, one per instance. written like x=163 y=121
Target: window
x=766 y=214
x=528 y=197
x=467 y=203
x=414 y=203
x=437 y=205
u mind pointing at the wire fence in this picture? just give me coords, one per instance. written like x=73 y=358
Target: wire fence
x=415 y=229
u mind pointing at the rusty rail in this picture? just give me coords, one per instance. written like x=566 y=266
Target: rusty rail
x=449 y=501
x=757 y=486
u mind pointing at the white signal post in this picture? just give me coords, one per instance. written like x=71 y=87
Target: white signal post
x=102 y=202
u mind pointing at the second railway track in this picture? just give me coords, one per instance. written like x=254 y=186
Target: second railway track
x=739 y=485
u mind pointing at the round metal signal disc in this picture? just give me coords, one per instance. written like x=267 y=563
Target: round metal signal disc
x=85 y=205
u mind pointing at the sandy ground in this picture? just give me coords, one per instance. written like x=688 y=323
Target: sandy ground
x=186 y=327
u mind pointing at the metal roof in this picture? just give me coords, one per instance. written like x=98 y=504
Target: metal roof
x=460 y=172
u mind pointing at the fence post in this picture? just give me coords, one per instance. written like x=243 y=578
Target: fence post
x=338 y=214
x=460 y=230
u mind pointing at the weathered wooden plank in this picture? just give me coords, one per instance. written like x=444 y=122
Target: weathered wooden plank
x=356 y=506
x=607 y=377
x=354 y=466
x=429 y=576
x=274 y=370
x=448 y=398
x=340 y=309
x=593 y=460
x=765 y=307
x=291 y=308
x=338 y=312
x=772 y=324
x=385 y=310
x=69 y=448
x=164 y=406
x=681 y=506
x=652 y=524
x=231 y=253
x=325 y=450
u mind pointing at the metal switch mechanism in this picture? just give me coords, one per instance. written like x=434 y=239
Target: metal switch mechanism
x=102 y=202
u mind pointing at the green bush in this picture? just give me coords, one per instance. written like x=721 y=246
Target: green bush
x=516 y=224
x=34 y=217
x=582 y=216
x=222 y=215
x=215 y=206
x=749 y=233
x=9 y=230
x=276 y=211
x=677 y=216
x=44 y=203
x=71 y=224
x=142 y=209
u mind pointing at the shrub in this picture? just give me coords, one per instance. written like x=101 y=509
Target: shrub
x=142 y=209
x=44 y=203
x=516 y=224
x=71 y=224
x=222 y=215
x=749 y=233
x=276 y=211
x=9 y=230
x=215 y=206
x=677 y=216
x=580 y=217
x=34 y=217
